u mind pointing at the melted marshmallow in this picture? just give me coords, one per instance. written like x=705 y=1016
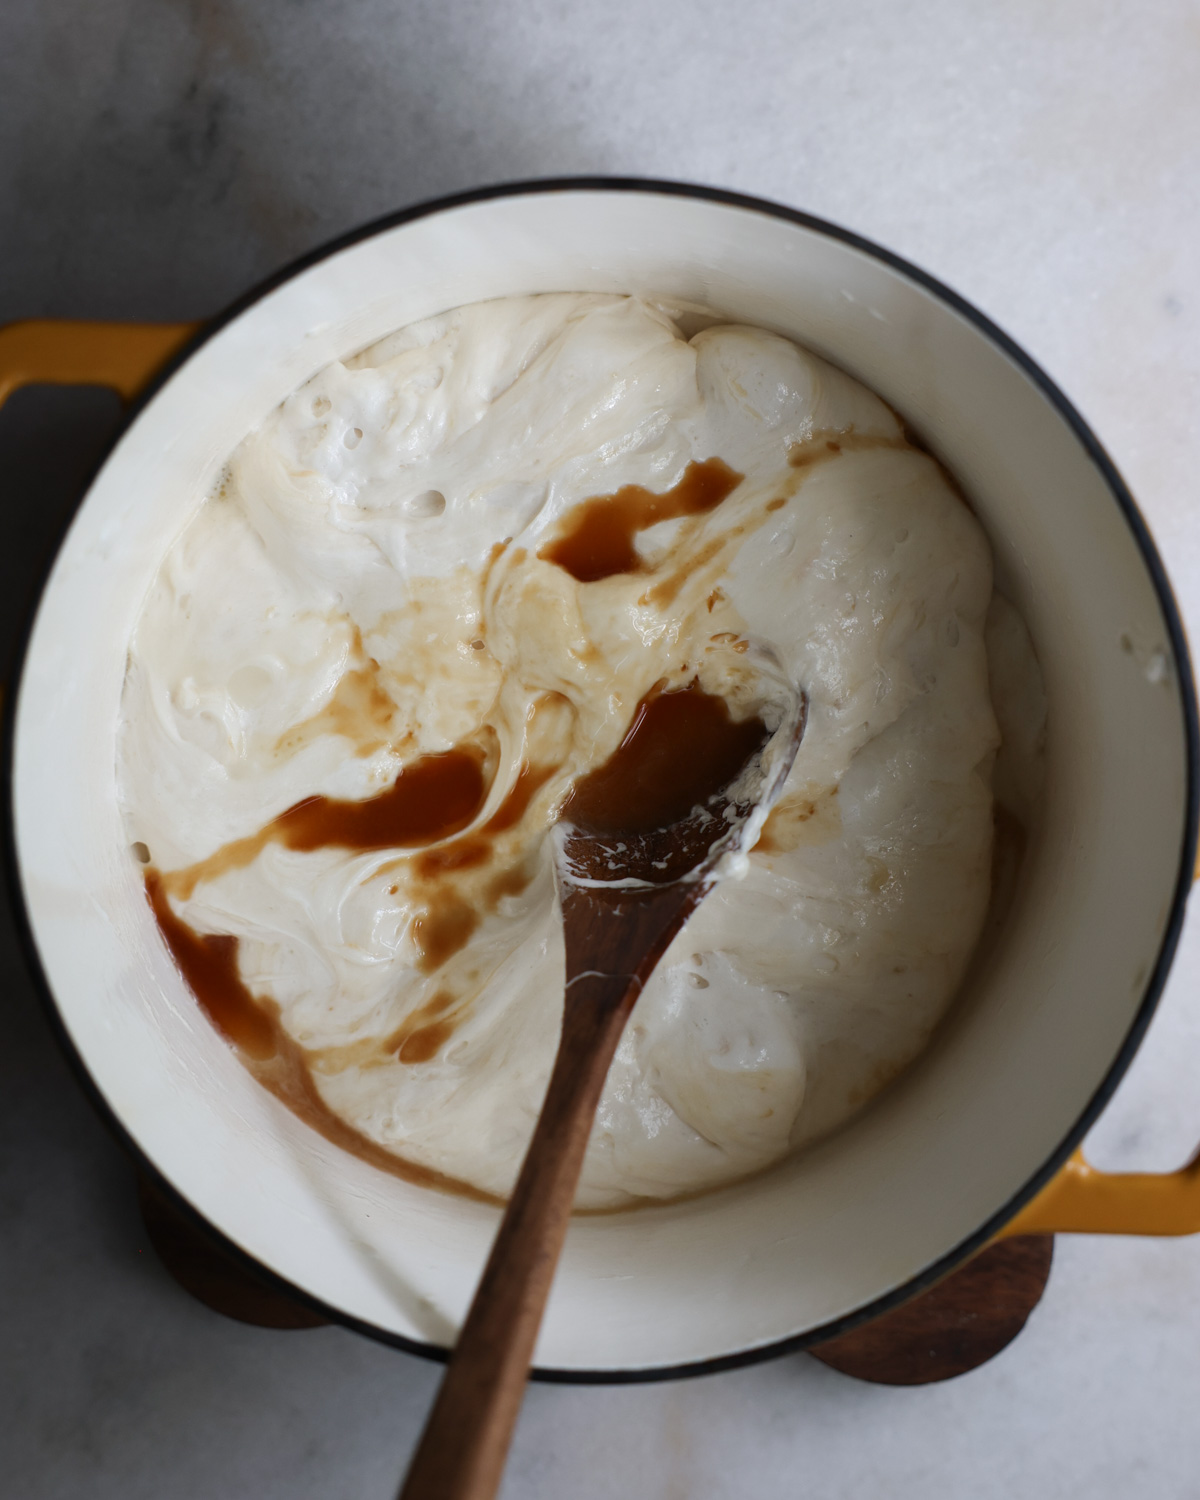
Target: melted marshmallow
x=366 y=589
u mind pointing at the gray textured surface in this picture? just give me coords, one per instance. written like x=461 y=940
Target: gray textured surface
x=156 y=157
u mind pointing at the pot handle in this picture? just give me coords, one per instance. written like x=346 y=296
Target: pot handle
x=1082 y=1200
x=57 y=351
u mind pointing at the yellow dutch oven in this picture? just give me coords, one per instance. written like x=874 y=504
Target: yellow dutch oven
x=977 y=1140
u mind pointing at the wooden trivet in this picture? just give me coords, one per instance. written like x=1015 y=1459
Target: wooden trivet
x=205 y=1268
x=957 y=1325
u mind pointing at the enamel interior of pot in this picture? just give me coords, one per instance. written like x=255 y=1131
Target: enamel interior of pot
x=1036 y=1031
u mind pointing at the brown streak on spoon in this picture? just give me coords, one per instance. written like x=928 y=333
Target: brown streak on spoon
x=615 y=933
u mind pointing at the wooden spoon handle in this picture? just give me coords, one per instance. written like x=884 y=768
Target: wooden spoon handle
x=463 y=1448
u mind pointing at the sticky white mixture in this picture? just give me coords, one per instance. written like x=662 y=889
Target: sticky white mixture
x=366 y=589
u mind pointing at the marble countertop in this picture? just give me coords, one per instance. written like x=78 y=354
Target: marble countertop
x=158 y=158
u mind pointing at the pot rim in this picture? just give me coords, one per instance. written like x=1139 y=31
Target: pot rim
x=1125 y=503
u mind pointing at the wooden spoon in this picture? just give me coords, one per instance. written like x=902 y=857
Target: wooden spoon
x=625 y=891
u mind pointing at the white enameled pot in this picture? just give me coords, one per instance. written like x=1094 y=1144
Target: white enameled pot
x=948 y=1157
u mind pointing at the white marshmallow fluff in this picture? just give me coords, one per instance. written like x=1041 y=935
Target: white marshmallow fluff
x=366 y=590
